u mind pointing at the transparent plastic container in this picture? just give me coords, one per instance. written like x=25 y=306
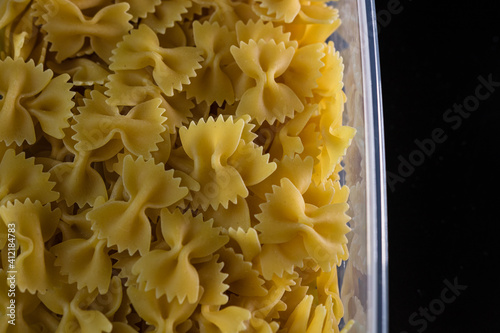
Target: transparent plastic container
x=364 y=283
x=363 y=278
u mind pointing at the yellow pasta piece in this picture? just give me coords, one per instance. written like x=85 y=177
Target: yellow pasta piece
x=21 y=179
x=336 y=137
x=257 y=30
x=98 y=123
x=317 y=12
x=135 y=87
x=188 y=239
x=211 y=145
x=288 y=142
x=296 y=170
x=268 y=100
x=211 y=83
x=77 y=181
x=144 y=182
x=285 y=10
x=248 y=242
x=10 y=9
x=28 y=306
x=227 y=12
x=67 y=28
x=172 y=67
x=228 y=320
x=304 y=70
x=309 y=33
x=166 y=14
x=165 y=316
x=29 y=93
x=141 y=8
x=330 y=81
x=74 y=307
x=34 y=225
x=85 y=261
x=236 y=215
x=213 y=287
x=242 y=279
x=83 y=71
x=286 y=219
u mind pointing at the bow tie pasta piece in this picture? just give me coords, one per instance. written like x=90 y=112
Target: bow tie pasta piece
x=141 y=8
x=95 y=5
x=246 y=242
x=257 y=30
x=328 y=290
x=85 y=262
x=306 y=33
x=21 y=178
x=9 y=10
x=330 y=81
x=74 y=307
x=277 y=10
x=123 y=263
x=172 y=67
x=165 y=316
x=231 y=319
x=297 y=170
x=265 y=309
x=211 y=145
x=30 y=312
x=114 y=304
x=98 y=122
x=287 y=140
x=212 y=283
x=124 y=223
x=264 y=62
x=79 y=181
x=336 y=138
x=67 y=29
x=243 y=279
x=286 y=219
x=188 y=239
x=83 y=71
x=234 y=216
x=317 y=13
x=31 y=95
x=304 y=70
x=132 y=87
x=303 y=319
x=23 y=37
x=226 y=12
x=166 y=14
x=34 y=225
x=212 y=84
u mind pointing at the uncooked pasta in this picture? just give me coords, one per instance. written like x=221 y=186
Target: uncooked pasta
x=171 y=166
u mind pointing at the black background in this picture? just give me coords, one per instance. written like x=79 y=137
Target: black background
x=443 y=211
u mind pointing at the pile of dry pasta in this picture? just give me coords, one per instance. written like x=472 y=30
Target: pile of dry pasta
x=171 y=166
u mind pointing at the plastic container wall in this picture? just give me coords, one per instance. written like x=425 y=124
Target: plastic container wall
x=364 y=284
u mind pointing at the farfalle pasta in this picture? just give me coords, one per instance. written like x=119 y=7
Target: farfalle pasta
x=31 y=96
x=125 y=223
x=171 y=166
x=68 y=28
x=171 y=67
x=35 y=224
x=166 y=13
